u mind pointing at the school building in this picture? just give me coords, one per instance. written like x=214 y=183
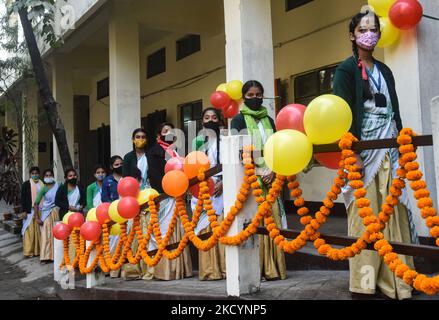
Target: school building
x=127 y=63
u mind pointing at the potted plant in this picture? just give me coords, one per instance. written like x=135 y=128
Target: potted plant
x=10 y=182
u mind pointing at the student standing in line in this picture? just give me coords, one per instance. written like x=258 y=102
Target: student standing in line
x=46 y=214
x=31 y=230
x=212 y=263
x=254 y=118
x=368 y=86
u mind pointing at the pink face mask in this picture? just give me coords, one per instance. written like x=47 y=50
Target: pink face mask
x=368 y=40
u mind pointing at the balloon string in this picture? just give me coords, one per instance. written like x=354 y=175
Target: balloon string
x=430 y=17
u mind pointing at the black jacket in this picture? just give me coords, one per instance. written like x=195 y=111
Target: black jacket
x=62 y=200
x=26 y=197
x=156 y=166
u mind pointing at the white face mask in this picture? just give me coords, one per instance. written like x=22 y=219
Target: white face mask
x=49 y=180
x=100 y=177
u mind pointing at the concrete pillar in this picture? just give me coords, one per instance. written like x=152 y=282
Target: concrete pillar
x=435 y=126
x=30 y=127
x=124 y=79
x=58 y=255
x=405 y=60
x=62 y=86
x=249 y=44
x=242 y=262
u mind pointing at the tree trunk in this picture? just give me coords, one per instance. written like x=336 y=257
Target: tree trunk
x=49 y=103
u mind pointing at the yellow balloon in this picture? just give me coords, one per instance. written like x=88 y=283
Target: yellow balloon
x=234 y=89
x=115 y=229
x=288 y=152
x=91 y=215
x=114 y=214
x=144 y=195
x=381 y=7
x=65 y=219
x=326 y=119
x=222 y=87
x=389 y=33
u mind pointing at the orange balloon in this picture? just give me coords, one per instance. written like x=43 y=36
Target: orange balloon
x=175 y=183
x=194 y=162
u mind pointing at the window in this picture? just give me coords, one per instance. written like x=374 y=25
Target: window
x=156 y=63
x=103 y=89
x=190 y=118
x=188 y=45
x=293 y=4
x=313 y=84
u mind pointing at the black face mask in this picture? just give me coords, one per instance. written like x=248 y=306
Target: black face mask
x=212 y=125
x=169 y=138
x=118 y=170
x=253 y=103
x=73 y=181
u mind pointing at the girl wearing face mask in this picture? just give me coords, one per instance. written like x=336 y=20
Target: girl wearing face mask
x=137 y=159
x=368 y=87
x=109 y=187
x=254 y=120
x=94 y=190
x=31 y=230
x=70 y=196
x=163 y=150
x=47 y=214
x=212 y=264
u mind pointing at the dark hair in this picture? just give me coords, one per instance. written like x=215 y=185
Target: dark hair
x=367 y=92
x=34 y=168
x=113 y=160
x=136 y=132
x=218 y=113
x=48 y=170
x=250 y=84
x=99 y=166
x=164 y=124
x=68 y=170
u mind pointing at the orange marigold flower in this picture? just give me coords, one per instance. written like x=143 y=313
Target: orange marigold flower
x=323 y=250
x=395 y=192
x=400 y=270
x=300 y=202
x=432 y=221
x=418 y=281
x=391 y=200
x=412 y=166
x=318 y=243
x=368 y=220
x=363 y=202
x=350 y=161
x=387 y=208
x=296 y=193
x=384 y=217
x=409 y=157
x=357 y=184
x=434 y=232
x=386 y=249
x=406 y=148
x=360 y=193
x=328 y=203
x=315 y=224
x=409 y=276
x=430 y=286
x=315 y=236
x=364 y=212
x=374 y=227
x=331 y=195
x=422 y=193
x=414 y=175
x=320 y=218
x=417 y=185
x=425 y=202
x=302 y=211
x=336 y=189
x=401 y=173
x=390 y=257
x=274 y=233
x=305 y=220
x=354 y=176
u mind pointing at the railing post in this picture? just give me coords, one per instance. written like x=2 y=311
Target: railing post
x=96 y=277
x=58 y=255
x=242 y=262
x=435 y=129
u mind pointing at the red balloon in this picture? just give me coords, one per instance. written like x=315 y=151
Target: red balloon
x=231 y=110
x=220 y=99
x=330 y=160
x=406 y=14
x=291 y=117
x=128 y=207
x=76 y=220
x=91 y=231
x=61 y=231
x=175 y=163
x=102 y=213
x=195 y=190
x=128 y=187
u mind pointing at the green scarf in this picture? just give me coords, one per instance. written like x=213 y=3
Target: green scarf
x=250 y=117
